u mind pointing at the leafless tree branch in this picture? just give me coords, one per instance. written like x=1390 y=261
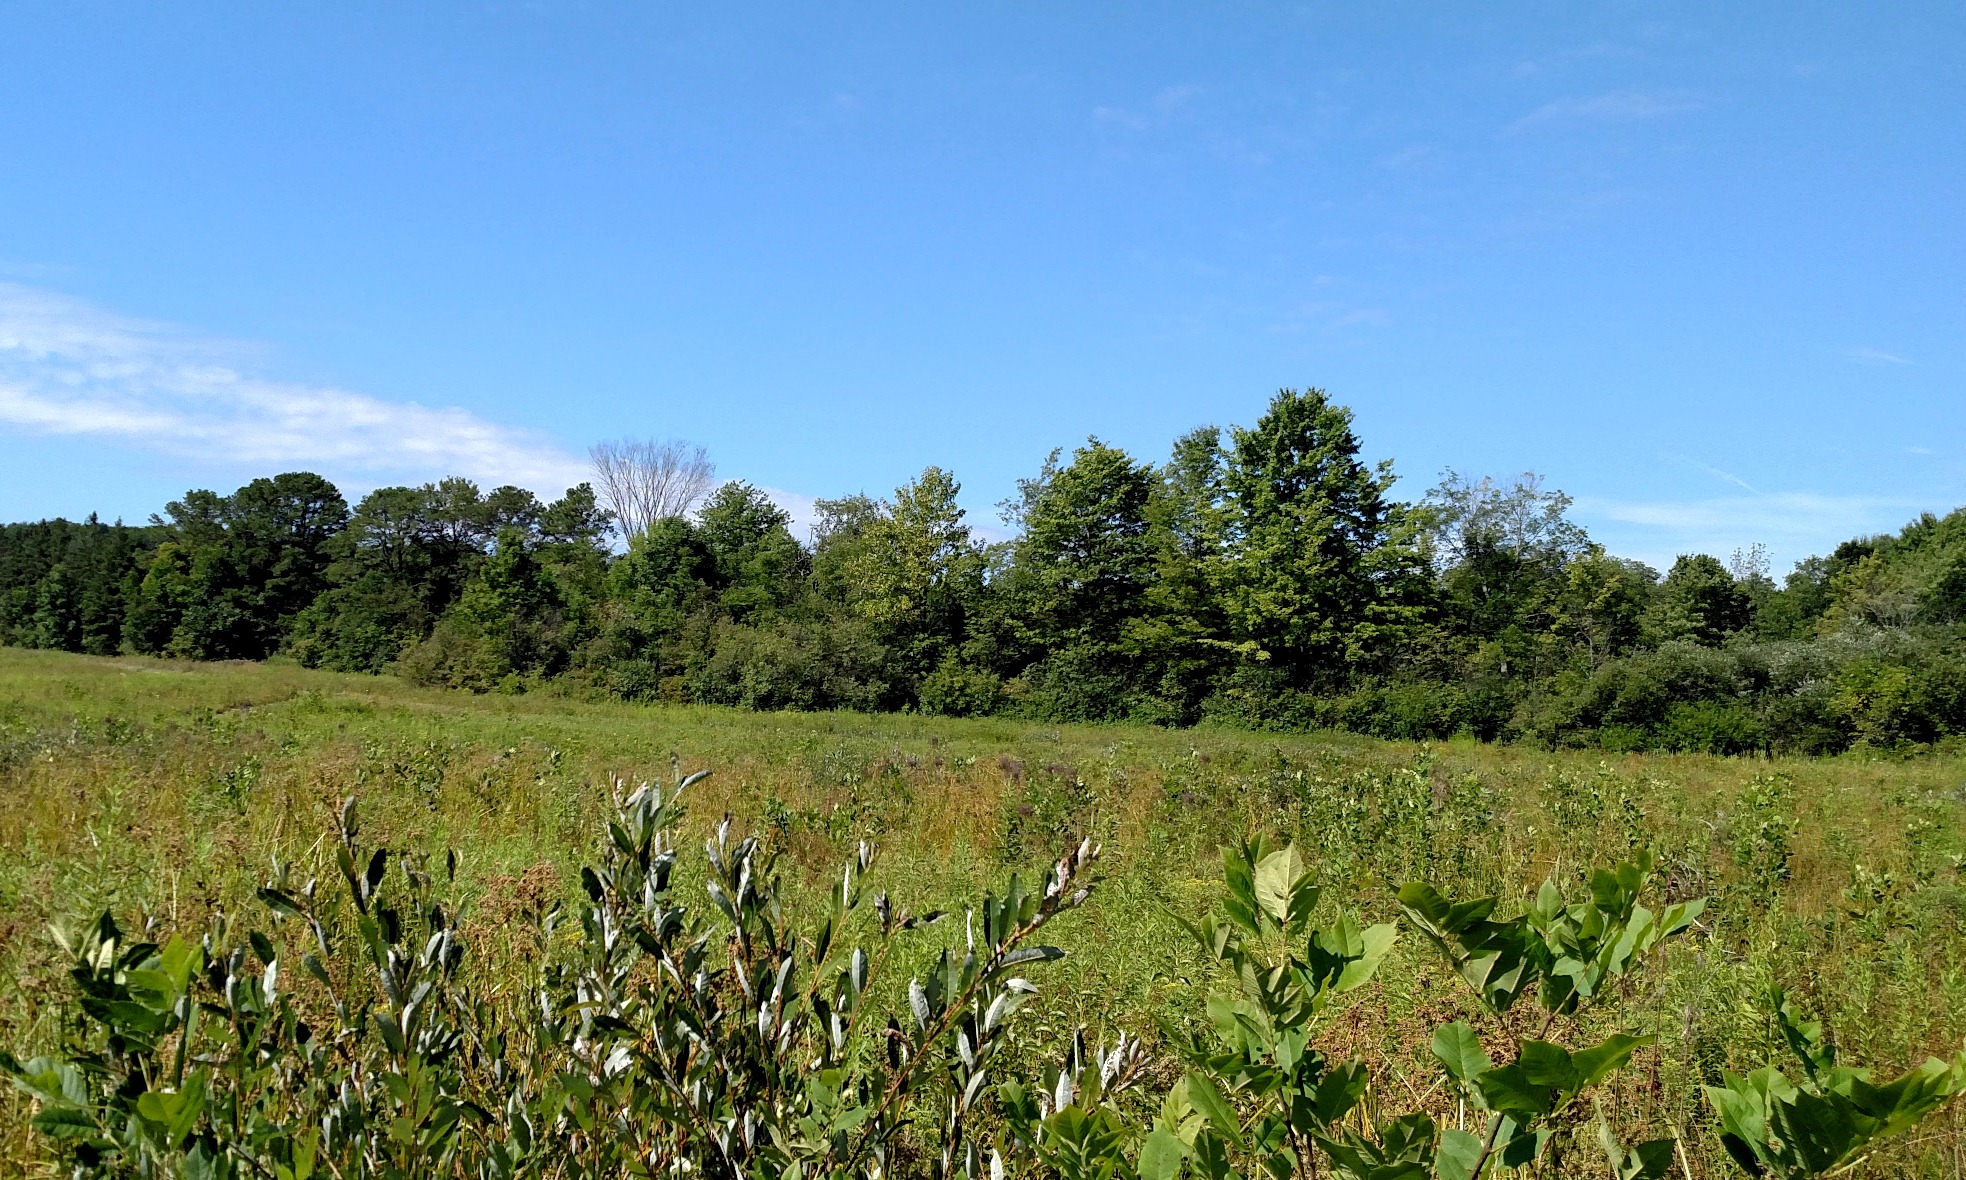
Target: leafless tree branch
x=645 y=481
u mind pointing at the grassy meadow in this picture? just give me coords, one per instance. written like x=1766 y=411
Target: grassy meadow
x=162 y=790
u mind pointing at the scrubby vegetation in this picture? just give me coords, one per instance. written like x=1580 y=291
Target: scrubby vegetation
x=1262 y=577
x=1630 y=964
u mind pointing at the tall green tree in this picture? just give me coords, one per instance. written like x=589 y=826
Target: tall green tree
x=83 y=606
x=1080 y=579
x=759 y=565
x=1700 y=601
x=1321 y=568
x=237 y=570
x=407 y=554
x=57 y=612
x=1184 y=634
x=514 y=609
x=911 y=566
x=1087 y=558
x=1602 y=603
x=1500 y=551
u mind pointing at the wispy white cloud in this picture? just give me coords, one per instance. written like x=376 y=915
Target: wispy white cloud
x=1406 y=159
x=70 y=368
x=1166 y=102
x=1722 y=476
x=1173 y=98
x=1329 y=318
x=803 y=509
x=1792 y=524
x=1876 y=356
x=1621 y=106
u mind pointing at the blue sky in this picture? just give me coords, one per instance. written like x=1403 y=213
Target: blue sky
x=1699 y=265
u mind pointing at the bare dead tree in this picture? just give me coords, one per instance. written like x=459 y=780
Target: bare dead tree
x=644 y=481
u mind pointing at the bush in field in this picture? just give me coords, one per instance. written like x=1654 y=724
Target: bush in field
x=717 y=1031
x=1261 y=1098
x=731 y=1039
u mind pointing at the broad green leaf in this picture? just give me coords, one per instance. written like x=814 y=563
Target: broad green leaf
x=1544 y=1064
x=65 y=1122
x=1458 y=1152
x=1207 y=1098
x=178 y=960
x=1651 y=1160
x=1161 y=1154
x=1506 y=1089
x=1816 y=1132
x=176 y=1112
x=1278 y=880
x=1459 y=1049
x=1517 y=1151
x=1212 y=1156
x=1346 y=956
x=1901 y=1102
x=1339 y=1091
x=198 y=1165
x=1595 y=1064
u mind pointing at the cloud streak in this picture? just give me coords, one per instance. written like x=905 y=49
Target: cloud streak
x=1793 y=524
x=70 y=368
x=1618 y=106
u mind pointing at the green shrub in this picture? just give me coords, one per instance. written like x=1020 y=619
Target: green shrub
x=1712 y=727
x=955 y=690
x=1076 y=684
x=791 y=665
x=724 y=1037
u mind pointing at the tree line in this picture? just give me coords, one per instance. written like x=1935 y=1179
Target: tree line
x=1260 y=576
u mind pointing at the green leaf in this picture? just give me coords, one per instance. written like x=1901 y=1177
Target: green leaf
x=1212 y=1156
x=280 y=902
x=1339 y=1091
x=1344 y=957
x=1281 y=884
x=1458 y=1152
x=1817 y=1132
x=65 y=1122
x=1805 y=1037
x=1029 y=954
x=1459 y=1049
x=1544 y=1064
x=1208 y=1100
x=1377 y=944
x=175 y=1112
x=1508 y=1089
x=1161 y=1154
x=178 y=960
x=314 y=967
x=1903 y=1101
x=1595 y=1064
x=1518 y=1150
x=1651 y=1160
x=200 y=1166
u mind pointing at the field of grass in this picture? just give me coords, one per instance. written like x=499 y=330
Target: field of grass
x=161 y=790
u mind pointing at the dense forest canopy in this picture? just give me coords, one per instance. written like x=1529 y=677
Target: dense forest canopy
x=1261 y=576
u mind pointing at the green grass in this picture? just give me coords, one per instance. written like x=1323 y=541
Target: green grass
x=161 y=790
